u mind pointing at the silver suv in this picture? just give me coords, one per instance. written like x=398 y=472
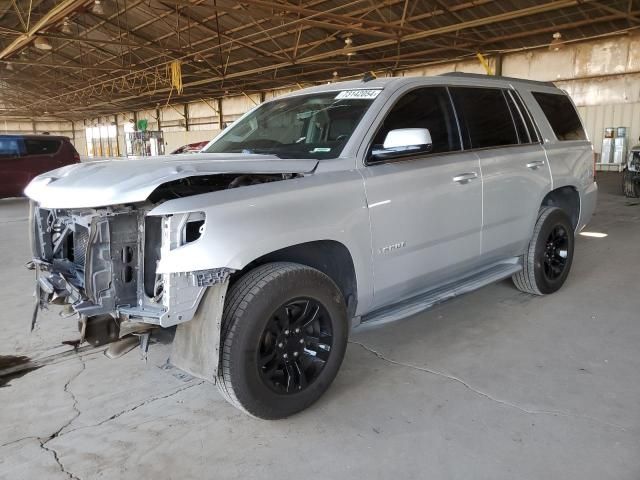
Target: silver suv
x=337 y=206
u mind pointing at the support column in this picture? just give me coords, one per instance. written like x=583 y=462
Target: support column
x=115 y=121
x=220 y=116
x=498 y=65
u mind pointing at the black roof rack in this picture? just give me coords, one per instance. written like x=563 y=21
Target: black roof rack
x=496 y=77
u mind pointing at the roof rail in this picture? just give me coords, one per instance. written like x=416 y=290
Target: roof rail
x=496 y=77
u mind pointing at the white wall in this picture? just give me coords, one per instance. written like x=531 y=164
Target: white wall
x=177 y=139
x=601 y=76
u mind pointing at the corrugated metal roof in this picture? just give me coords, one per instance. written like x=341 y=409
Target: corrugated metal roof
x=116 y=59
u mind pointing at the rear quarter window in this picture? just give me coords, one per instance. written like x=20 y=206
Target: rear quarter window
x=41 y=147
x=561 y=115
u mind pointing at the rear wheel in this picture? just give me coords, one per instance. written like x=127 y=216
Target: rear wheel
x=284 y=337
x=548 y=258
x=631 y=184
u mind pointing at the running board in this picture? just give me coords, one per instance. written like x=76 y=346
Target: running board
x=427 y=300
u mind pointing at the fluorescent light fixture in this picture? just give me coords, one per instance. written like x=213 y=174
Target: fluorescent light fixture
x=42 y=43
x=348 y=47
x=97 y=8
x=594 y=234
x=66 y=27
x=557 y=43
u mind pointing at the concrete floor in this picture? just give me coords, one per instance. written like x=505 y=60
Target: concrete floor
x=496 y=384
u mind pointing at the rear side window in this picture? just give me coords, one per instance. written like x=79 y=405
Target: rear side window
x=41 y=146
x=9 y=147
x=484 y=117
x=523 y=134
x=526 y=115
x=562 y=116
x=429 y=108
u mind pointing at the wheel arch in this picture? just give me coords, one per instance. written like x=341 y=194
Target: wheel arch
x=567 y=199
x=330 y=257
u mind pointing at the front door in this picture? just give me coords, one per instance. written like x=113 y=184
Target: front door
x=425 y=209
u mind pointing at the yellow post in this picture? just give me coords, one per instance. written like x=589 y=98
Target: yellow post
x=484 y=63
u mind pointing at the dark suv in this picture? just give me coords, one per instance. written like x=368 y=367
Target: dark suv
x=23 y=157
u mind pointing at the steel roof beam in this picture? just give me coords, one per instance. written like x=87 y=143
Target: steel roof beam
x=56 y=14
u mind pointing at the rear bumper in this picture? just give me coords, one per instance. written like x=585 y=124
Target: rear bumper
x=588 y=201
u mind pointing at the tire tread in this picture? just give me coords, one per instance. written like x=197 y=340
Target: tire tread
x=240 y=296
x=525 y=280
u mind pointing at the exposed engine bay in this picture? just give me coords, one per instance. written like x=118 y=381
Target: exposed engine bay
x=101 y=262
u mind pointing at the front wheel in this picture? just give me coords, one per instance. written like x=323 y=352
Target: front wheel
x=548 y=258
x=284 y=337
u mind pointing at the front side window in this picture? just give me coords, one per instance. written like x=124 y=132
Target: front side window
x=484 y=117
x=41 y=147
x=562 y=116
x=309 y=126
x=428 y=108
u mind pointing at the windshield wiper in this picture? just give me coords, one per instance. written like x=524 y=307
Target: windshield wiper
x=259 y=151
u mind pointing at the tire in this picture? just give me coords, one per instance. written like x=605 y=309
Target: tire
x=630 y=184
x=259 y=322
x=548 y=258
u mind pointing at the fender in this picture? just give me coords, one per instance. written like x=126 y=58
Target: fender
x=246 y=223
x=571 y=165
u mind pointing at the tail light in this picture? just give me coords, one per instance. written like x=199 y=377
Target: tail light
x=76 y=157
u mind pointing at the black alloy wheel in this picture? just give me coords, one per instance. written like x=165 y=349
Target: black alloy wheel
x=556 y=253
x=295 y=346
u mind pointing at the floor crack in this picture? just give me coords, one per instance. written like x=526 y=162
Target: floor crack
x=58 y=433
x=54 y=453
x=506 y=403
x=147 y=402
x=135 y=407
x=18 y=440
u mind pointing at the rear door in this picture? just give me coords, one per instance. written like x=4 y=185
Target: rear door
x=12 y=176
x=40 y=156
x=425 y=209
x=516 y=177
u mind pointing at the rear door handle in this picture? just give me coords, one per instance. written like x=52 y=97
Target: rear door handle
x=535 y=164
x=465 y=177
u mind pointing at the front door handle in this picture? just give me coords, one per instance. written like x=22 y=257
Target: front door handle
x=535 y=164
x=465 y=177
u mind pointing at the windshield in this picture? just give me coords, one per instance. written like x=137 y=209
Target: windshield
x=310 y=126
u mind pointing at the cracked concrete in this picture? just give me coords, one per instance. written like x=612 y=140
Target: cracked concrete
x=43 y=443
x=492 y=385
x=479 y=392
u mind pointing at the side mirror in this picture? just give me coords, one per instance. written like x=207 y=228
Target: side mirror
x=402 y=142
x=407 y=138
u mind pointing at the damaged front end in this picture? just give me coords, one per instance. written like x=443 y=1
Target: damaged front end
x=125 y=246
x=101 y=263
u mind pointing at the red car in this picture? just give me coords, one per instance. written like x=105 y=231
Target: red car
x=23 y=157
x=191 y=148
